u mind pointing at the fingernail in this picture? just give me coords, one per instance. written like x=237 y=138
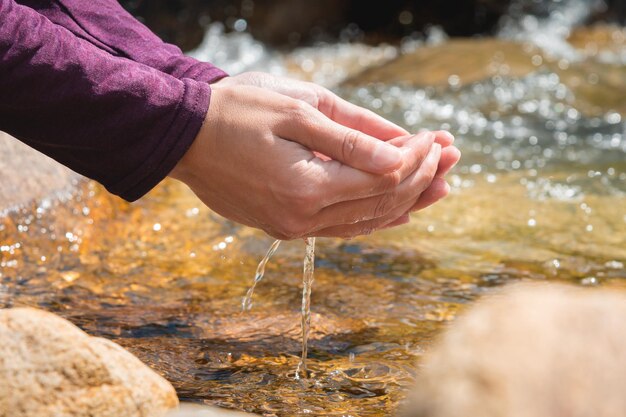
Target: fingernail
x=427 y=136
x=448 y=134
x=387 y=157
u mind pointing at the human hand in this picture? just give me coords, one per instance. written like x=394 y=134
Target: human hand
x=358 y=118
x=322 y=99
x=252 y=163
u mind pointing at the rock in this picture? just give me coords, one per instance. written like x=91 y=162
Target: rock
x=598 y=38
x=598 y=86
x=49 y=367
x=28 y=175
x=531 y=351
x=193 y=410
x=432 y=66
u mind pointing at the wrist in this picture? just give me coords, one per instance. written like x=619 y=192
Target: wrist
x=197 y=156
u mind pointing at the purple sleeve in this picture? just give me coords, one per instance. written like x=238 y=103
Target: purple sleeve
x=108 y=26
x=119 y=122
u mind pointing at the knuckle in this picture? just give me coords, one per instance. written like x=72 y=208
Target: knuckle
x=349 y=144
x=390 y=181
x=423 y=180
x=384 y=204
x=297 y=108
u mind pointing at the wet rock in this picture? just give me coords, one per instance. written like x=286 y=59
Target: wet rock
x=532 y=350
x=470 y=60
x=28 y=175
x=599 y=38
x=192 y=410
x=49 y=367
x=597 y=83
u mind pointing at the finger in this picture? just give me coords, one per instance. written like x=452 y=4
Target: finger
x=355 y=117
x=405 y=195
x=404 y=219
x=342 y=183
x=348 y=231
x=437 y=190
x=442 y=137
x=449 y=158
x=312 y=129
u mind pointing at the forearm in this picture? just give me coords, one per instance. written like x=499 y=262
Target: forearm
x=105 y=24
x=121 y=123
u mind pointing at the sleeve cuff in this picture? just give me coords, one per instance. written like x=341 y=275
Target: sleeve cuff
x=203 y=72
x=190 y=116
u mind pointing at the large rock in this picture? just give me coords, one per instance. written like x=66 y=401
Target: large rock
x=598 y=86
x=28 y=175
x=49 y=367
x=531 y=351
x=471 y=60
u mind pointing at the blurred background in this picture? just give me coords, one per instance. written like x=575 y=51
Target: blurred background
x=288 y=23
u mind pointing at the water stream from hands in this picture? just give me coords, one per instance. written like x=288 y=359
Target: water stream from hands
x=307 y=285
x=258 y=276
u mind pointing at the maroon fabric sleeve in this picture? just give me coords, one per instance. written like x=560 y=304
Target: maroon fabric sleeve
x=119 y=122
x=107 y=25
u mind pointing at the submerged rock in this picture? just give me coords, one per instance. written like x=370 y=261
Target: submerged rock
x=49 y=367
x=531 y=351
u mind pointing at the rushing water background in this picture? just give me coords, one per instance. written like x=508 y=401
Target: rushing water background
x=539 y=195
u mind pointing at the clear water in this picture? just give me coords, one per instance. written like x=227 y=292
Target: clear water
x=307 y=286
x=305 y=311
x=539 y=195
x=258 y=276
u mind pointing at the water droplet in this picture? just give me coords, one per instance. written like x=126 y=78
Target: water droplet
x=405 y=17
x=589 y=281
x=240 y=25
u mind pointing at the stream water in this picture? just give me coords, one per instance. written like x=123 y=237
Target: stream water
x=246 y=304
x=307 y=286
x=539 y=195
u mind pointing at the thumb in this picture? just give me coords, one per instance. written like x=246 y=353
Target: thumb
x=317 y=132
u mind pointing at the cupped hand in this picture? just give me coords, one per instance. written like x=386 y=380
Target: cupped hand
x=358 y=118
x=322 y=99
x=253 y=162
